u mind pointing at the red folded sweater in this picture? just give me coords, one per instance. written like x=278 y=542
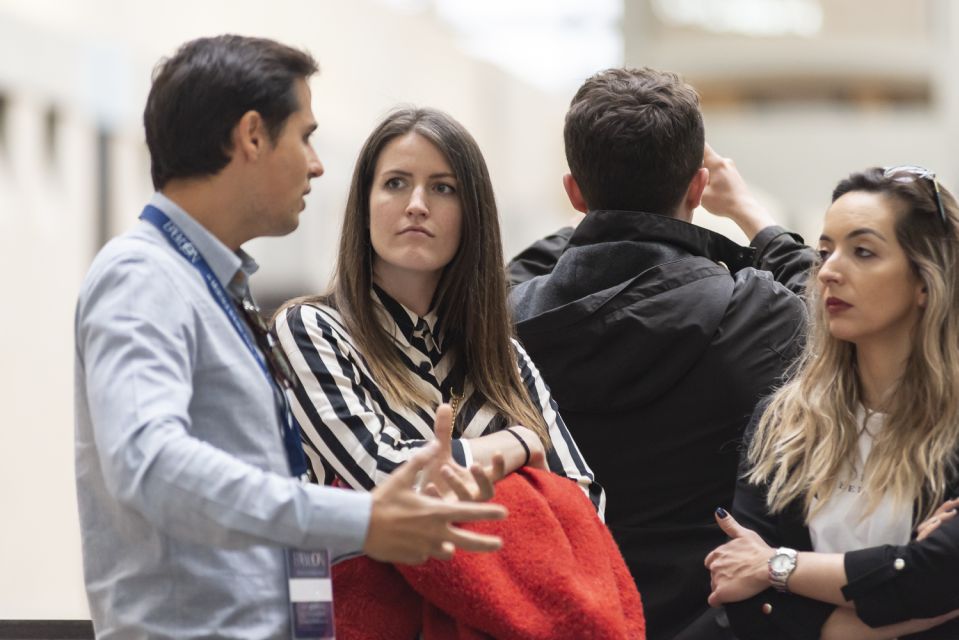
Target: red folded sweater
x=558 y=575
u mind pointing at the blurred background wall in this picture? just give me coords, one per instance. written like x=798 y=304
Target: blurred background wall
x=799 y=92
x=803 y=92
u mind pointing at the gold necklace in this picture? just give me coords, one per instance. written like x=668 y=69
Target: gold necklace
x=455 y=402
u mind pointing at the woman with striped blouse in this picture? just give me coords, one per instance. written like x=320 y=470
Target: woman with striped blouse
x=417 y=317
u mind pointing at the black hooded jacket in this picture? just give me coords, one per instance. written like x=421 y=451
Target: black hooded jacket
x=657 y=338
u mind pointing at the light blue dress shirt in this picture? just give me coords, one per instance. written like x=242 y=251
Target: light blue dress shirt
x=183 y=483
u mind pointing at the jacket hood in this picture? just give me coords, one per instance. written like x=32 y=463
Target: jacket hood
x=635 y=293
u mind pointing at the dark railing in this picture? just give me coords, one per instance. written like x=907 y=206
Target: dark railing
x=46 y=629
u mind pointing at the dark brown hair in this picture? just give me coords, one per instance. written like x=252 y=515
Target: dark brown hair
x=200 y=93
x=470 y=298
x=634 y=139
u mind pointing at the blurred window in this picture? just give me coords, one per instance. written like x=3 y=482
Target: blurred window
x=747 y=17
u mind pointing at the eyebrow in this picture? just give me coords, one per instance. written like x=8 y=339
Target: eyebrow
x=856 y=233
x=407 y=174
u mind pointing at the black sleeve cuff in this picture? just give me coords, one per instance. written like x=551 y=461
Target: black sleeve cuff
x=457 y=452
x=872 y=585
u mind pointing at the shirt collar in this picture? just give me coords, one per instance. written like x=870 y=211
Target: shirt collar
x=409 y=323
x=231 y=269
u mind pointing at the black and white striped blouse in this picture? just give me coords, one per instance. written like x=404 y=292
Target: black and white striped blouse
x=351 y=431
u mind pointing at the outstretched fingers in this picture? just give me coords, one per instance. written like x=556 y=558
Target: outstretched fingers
x=473 y=541
x=471 y=511
x=460 y=482
x=497 y=469
x=406 y=475
x=484 y=483
x=443 y=429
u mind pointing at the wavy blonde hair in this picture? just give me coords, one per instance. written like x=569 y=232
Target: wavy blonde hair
x=810 y=429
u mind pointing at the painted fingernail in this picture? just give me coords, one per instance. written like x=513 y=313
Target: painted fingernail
x=721 y=512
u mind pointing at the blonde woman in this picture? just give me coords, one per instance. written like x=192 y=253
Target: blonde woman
x=856 y=456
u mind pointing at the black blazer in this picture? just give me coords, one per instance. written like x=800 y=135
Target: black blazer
x=926 y=586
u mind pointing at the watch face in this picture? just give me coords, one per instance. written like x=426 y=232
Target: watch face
x=780 y=563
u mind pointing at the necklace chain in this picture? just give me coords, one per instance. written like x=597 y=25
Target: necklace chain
x=455 y=402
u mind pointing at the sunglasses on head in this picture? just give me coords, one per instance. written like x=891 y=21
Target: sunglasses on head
x=910 y=173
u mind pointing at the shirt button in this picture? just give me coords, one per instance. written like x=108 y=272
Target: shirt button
x=425 y=366
x=767 y=608
x=899 y=564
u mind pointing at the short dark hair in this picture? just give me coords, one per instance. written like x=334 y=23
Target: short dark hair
x=634 y=139
x=200 y=93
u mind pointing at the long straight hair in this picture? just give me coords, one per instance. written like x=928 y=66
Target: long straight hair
x=471 y=294
x=809 y=431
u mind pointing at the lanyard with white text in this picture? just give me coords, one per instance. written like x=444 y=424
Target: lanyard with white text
x=308 y=572
x=183 y=245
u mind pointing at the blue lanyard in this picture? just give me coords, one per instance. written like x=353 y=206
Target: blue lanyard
x=183 y=245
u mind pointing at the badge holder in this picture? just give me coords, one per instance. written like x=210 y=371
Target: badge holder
x=311 y=594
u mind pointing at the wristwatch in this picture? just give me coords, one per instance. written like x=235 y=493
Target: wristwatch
x=781 y=566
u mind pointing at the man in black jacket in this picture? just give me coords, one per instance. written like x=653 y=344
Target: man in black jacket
x=656 y=336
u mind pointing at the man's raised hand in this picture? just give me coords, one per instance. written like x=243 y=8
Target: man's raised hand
x=409 y=527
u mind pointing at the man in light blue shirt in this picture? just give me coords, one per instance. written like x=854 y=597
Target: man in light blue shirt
x=184 y=483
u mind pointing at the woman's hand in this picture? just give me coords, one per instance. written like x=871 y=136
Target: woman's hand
x=738 y=569
x=945 y=512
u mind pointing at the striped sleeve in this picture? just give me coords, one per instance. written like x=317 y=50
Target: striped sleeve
x=564 y=458
x=346 y=424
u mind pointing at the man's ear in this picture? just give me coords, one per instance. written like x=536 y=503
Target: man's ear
x=694 y=192
x=249 y=136
x=574 y=194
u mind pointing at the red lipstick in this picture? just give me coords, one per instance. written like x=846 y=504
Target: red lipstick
x=836 y=305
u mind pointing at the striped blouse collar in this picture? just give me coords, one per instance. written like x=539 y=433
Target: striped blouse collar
x=413 y=327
